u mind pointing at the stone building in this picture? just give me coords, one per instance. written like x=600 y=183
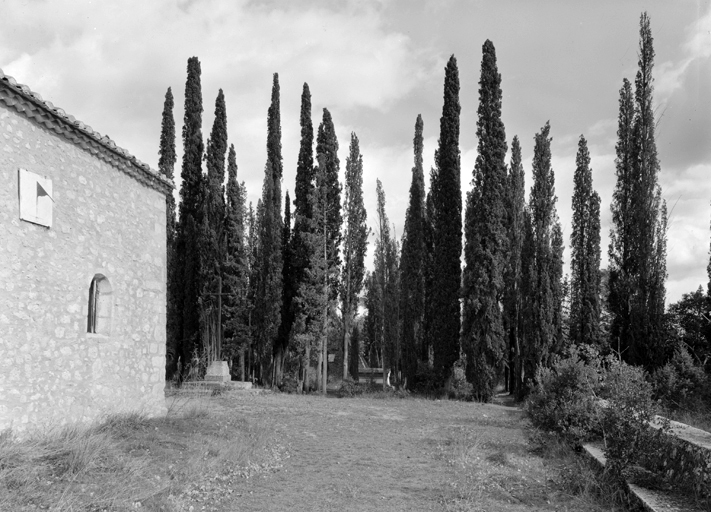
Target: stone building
x=82 y=270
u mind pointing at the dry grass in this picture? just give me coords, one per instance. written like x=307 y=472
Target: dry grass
x=127 y=462
x=494 y=471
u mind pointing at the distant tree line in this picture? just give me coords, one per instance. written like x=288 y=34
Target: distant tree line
x=293 y=285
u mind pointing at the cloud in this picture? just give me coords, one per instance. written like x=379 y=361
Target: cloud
x=110 y=64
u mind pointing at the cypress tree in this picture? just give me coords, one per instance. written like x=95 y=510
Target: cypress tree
x=166 y=166
x=327 y=154
x=546 y=296
x=304 y=187
x=355 y=244
x=303 y=218
x=289 y=290
x=427 y=355
x=314 y=294
x=513 y=275
x=637 y=272
x=235 y=268
x=485 y=254
x=212 y=242
x=268 y=305
x=585 y=254
x=412 y=266
x=387 y=282
x=447 y=231
x=191 y=210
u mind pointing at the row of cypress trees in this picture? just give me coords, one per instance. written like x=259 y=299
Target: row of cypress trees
x=279 y=285
x=517 y=310
x=502 y=314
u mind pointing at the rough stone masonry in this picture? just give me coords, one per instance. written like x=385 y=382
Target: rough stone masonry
x=108 y=223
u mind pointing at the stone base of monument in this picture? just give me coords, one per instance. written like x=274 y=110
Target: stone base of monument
x=218 y=371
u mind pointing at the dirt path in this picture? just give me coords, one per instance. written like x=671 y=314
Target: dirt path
x=364 y=454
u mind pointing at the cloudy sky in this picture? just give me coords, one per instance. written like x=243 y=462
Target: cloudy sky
x=376 y=65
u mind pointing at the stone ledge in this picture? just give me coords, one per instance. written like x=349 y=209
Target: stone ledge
x=648 y=499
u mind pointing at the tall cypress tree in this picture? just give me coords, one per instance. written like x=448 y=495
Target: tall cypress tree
x=166 y=166
x=289 y=290
x=355 y=244
x=585 y=254
x=387 y=282
x=486 y=239
x=545 y=297
x=191 y=210
x=268 y=305
x=447 y=230
x=212 y=242
x=304 y=186
x=327 y=154
x=637 y=272
x=513 y=275
x=303 y=218
x=412 y=266
x=235 y=267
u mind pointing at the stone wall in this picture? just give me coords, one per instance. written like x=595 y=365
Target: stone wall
x=52 y=371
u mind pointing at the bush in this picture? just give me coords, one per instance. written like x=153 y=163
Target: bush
x=681 y=384
x=457 y=386
x=426 y=381
x=565 y=399
x=625 y=422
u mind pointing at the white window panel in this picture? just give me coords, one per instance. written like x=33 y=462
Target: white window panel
x=35 y=198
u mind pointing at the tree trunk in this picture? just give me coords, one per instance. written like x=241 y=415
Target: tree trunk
x=241 y=363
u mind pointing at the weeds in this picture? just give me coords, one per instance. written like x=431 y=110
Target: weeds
x=127 y=461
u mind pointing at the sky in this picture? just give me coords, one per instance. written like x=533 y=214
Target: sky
x=375 y=65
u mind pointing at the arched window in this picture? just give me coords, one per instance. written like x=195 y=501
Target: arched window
x=100 y=304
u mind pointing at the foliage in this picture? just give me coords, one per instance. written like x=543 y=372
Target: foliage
x=689 y=322
x=187 y=250
x=268 y=298
x=565 y=399
x=458 y=387
x=386 y=278
x=412 y=267
x=513 y=271
x=682 y=383
x=585 y=254
x=166 y=165
x=355 y=245
x=329 y=165
x=625 y=422
x=483 y=339
x=427 y=381
x=446 y=231
x=637 y=250
x=542 y=255
x=235 y=269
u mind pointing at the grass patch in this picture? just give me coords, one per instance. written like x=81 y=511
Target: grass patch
x=130 y=462
x=495 y=471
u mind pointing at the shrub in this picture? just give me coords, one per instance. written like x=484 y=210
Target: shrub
x=457 y=386
x=565 y=397
x=681 y=383
x=426 y=381
x=625 y=421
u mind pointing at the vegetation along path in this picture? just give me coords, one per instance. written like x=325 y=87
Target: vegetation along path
x=392 y=454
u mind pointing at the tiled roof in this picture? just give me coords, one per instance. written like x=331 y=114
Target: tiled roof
x=54 y=119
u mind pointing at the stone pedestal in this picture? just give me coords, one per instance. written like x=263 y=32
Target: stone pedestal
x=218 y=371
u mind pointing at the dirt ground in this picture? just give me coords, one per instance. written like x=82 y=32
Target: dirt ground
x=367 y=454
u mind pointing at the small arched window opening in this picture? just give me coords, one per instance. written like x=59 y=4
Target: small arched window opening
x=100 y=303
